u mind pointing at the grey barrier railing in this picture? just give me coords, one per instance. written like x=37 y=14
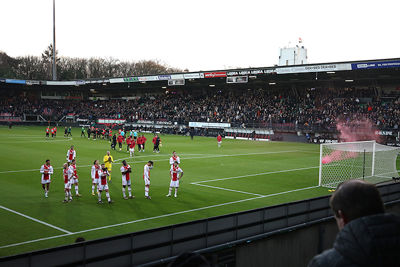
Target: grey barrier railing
x=157 y=246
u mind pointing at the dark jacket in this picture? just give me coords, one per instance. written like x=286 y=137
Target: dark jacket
x=368 y=241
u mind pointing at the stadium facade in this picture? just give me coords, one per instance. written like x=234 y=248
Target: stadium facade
x=380 y=76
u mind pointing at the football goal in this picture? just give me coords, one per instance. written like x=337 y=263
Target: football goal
x=365 y=160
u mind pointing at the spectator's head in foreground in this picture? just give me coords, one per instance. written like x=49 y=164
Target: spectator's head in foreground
x=354 y=199
x=367 y=235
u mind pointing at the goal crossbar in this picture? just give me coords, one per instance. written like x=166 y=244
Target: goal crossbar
x=366 y=160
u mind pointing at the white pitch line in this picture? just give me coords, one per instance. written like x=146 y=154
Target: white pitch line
x=31 y=170
x=160 y=216
x=36 y=220
x=227 y=189
x=33 y=241
x=144 y=161
x=192 y=210
x=255 y=174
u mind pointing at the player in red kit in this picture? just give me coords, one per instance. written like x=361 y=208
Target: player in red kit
x=110 y=135
x=126 y=171
x=139 y=143
x=157 y=144
x=176 y=174
x=120 y=139
x=71 y=154
x=219 y=140
x=46 y=170
x=67 y=184
x=103 y=185
x=144 y=139
x=128 y=142
x=154 y=143
x=132 y=148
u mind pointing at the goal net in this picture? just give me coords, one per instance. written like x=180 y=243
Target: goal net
x=356 y=160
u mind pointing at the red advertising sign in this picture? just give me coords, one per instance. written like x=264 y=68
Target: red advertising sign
x=215 y=74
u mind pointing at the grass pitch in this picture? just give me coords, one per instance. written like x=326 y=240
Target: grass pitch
x=240 y=175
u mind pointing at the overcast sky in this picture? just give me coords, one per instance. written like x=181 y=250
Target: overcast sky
x=203 y=35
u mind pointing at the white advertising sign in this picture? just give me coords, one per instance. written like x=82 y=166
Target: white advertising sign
x=209 y=125
x=314 y=68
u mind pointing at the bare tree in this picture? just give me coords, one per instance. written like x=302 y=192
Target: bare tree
x=32 y=67
x=47 y=57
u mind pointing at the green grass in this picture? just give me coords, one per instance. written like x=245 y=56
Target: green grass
x=25 y=148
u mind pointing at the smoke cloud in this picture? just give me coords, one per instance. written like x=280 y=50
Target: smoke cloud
x=351 y=131
x=356 y=130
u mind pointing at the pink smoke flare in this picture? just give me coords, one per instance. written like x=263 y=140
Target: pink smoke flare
x=351 y=131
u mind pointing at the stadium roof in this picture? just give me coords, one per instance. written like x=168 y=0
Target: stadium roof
x=336 y=72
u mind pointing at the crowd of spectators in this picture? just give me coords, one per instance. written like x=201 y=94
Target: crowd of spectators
x=321 y=108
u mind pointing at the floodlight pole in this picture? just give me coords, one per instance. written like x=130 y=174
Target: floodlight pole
x=54 y=42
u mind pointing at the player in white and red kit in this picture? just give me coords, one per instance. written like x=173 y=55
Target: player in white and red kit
x=95 y=175
x=103 y=185
x=146 y=178
x=71 y=154
x=67 y=184
x=219 y=140
x=176 y=174
x=126 y=171
x=73 y=177
x=174 y=158
x=46 y=170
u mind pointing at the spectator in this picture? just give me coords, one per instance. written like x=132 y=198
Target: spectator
x=367 y=236
x=307 y=108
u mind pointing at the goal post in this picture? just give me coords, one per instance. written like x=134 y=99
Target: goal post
x=365 y=160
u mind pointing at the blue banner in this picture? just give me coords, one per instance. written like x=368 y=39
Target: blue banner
x=376 y=65
x=15 y=81
x=164 y=77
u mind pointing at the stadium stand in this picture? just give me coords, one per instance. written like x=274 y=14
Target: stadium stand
x=309 y=108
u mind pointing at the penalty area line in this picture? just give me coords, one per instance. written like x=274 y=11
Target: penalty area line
x=160 y=216
x=227 y=189
x=36 y=220
x=255 y=174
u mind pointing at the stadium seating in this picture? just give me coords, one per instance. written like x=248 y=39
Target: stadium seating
x=307 y=108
